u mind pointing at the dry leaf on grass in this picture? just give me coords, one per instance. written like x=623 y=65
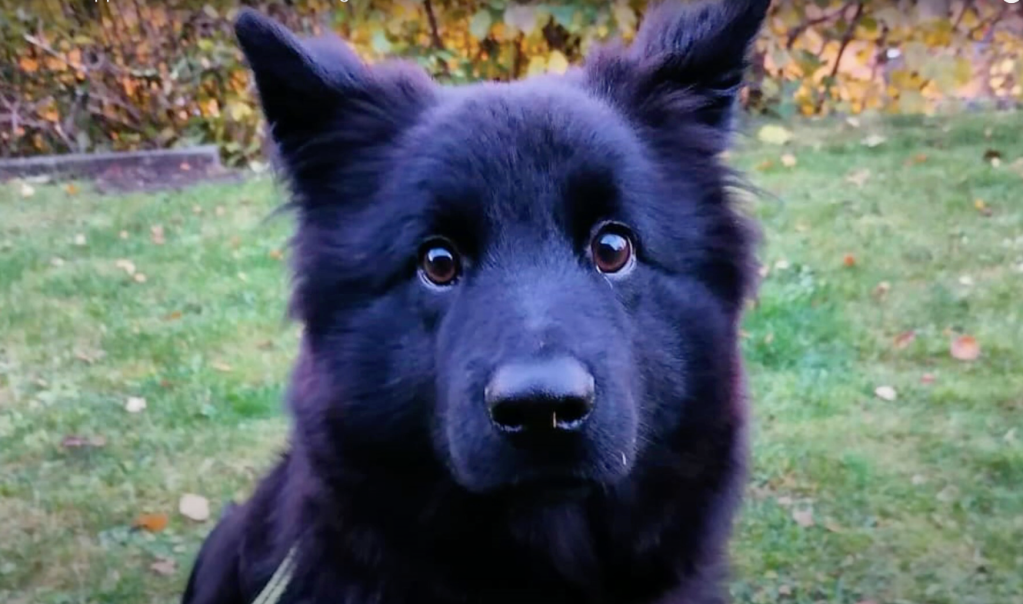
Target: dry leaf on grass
x=904 y=339
x=803 y=518
x=789 y=160
x=927 y=378
x=135 y=404
x=164 y=567
x=774 y=134
x=848 y=261
x=156 y=234
x=886 y=393
x=194 y=507
x=965 y=348
x=80 y=239
x=72 y=441
x=858 y=177
x=874 y=140
x=219 y=366
x=126 y=265
x=154 y=523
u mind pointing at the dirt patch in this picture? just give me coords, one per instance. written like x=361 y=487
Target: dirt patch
x=126 y=178
x=127 y=171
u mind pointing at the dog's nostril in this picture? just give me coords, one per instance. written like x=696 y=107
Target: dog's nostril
x=544 y=395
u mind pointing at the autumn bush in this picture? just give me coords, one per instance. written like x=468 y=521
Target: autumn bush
x=88 y=76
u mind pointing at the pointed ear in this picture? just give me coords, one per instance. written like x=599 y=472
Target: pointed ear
x=687 y=60
x=317 y=91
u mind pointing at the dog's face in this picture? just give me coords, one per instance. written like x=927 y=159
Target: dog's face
x=530 y=285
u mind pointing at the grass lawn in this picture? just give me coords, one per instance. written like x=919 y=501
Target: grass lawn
x=854 y=498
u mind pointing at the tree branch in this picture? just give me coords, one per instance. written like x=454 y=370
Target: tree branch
x=846 y=38
x=434 y=32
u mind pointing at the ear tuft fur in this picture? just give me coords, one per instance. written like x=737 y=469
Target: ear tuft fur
x=688 y=60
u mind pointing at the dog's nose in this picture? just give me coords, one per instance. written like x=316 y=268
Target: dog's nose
x=552 y=395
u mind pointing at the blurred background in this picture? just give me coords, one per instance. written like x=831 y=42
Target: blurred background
x=143 y=350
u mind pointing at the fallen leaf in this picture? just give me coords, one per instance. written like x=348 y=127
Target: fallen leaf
x=135 y=404
x=904 y=339
x=80 y=239
x=126 y=265
x=927 y=378
x=139 y=277
x=788 y=160
x=219 y=211
x=174 y=316
x=982 y=207
x=276 y=254
x=27 y=190
x=774 y=134
x=918 y=479
x=79 y=442
x=164 y=567
x=185 y=167
x=917 y=159
x=885 y=393
x=123 y=234
x=194 y=507
x=988 y=132
x=966 y=280
x=156 y=234
x=965 y=348
x=89 y=356
x=154 y=523
x=803 y=518
x=996 y=162
x=948 y=494
x=858 y=177
x=992 y=154
x=265 y=345
x=849 y=261
x=881 y=289
x=70 y=189
x=765 y=165
x=58 y=262
x=784 y=590
x=196 y=209
x=853 y=121
x=224 y=367
x=874 y=140
x=833 y=527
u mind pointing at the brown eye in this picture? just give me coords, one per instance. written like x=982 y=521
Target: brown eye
x=611 y=249
x=439 y=263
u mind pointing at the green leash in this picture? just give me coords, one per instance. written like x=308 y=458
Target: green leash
x=273 y=591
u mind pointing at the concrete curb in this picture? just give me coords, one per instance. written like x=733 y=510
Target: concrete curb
x=204 y=159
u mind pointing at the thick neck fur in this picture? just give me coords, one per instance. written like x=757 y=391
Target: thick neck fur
x=403 y=524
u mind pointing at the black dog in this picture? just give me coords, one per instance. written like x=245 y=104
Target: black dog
x=519 y=378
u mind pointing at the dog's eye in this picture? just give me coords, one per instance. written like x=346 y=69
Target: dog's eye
x=438 y=263
x=612 y=249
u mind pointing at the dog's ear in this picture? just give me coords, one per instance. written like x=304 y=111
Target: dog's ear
x=316 y=92
x=686 y=62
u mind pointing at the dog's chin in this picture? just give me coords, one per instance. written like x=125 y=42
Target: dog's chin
x=540 y=489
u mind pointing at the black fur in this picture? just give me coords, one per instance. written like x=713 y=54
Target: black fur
x=396 y=488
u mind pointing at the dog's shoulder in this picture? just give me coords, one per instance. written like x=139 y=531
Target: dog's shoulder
x=235 y=554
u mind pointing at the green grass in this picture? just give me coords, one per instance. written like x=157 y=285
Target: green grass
x=917 y=500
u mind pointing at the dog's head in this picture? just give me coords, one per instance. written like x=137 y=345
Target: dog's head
x=528 y=284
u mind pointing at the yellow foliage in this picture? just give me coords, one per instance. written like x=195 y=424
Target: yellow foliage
x=159 y=73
